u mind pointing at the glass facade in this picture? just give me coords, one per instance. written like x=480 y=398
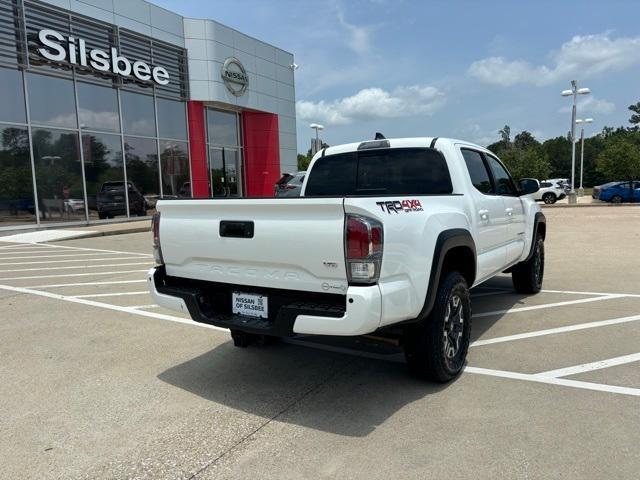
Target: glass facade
x=225 y=153
x=71 y=138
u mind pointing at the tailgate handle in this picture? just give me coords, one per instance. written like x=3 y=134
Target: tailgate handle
x=236 y=229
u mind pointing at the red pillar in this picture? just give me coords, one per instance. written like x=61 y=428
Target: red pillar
x=198 y=150
x=261 y=153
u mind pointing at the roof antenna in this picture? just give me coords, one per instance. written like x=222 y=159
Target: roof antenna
x=380 y=136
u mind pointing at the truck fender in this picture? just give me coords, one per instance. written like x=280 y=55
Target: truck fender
x=539 y=225
x=447 y=240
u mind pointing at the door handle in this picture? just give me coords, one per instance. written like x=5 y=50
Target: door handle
x=509 y=212
x=484 y=215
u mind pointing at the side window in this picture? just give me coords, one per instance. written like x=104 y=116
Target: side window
x=477 y=171
x=504 y=184
x=546 y=184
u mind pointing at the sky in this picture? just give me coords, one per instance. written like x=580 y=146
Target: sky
x=455 y=68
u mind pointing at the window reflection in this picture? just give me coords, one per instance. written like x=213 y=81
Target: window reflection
x=171 y=119
x=51 y=101
x=141 y=156
x=11 y=96
x=104 y=173
x=98 y=107
x=175 y=169
x=138 y=114
x=16 y=185
x=58 y=175
x=222 y=127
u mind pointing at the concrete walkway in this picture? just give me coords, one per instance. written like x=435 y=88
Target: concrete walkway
x=57 y=234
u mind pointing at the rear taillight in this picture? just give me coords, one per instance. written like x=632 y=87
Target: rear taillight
x=363 y=249
x=155 y=229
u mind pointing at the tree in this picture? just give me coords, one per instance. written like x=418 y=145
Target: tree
x=635 y=117
x=303 y=162
x=526 y=163
x=525 y=140
x=620 y=159
x=505 y=134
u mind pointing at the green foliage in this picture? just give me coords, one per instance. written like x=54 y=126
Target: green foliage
x=620 y=159
x=635 y=117
x=526 y=157
x=530 y=162
x=303 y=162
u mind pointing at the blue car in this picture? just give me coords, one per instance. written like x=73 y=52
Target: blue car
x=621 y=192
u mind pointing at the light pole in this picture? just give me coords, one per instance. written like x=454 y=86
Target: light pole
x=316 y=146
x=575 y=91
x=586 y=120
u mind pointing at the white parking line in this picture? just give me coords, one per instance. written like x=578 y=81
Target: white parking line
x=554 y=331
x=82 y=284
x=589 y=367
x=108 y=306
x=97 y=250
x=151 y=305
x=117 y=294
x=76 y=267
x=71 y=275
x=14 y=252
x=548 y=305
x=573 y=292
x=2 y=264
x=555 y=381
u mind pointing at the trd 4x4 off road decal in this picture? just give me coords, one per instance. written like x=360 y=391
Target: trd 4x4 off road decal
x=397 y=206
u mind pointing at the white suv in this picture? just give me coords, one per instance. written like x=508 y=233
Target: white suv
x=549 y=192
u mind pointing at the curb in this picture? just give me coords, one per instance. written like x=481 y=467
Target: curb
x=106 y=233
x=583 y=205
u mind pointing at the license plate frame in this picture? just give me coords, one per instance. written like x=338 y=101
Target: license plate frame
x=250 y=304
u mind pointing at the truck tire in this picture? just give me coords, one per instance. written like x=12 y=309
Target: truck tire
x=549 y=198
x=527 y=276
x=436 y=348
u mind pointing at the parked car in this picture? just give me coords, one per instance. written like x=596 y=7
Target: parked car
x=563 y=183
x=595 y=193
x=621 y=192
x=391 y=238
x=290 y=185
x=548 y=192
x=111 y=200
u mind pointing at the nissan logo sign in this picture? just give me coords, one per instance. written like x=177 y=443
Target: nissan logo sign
x=57 y=48
x=234 y=76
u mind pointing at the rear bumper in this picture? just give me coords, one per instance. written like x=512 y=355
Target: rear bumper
x=290 y=311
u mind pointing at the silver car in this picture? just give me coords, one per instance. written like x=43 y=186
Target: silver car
x=290 y=185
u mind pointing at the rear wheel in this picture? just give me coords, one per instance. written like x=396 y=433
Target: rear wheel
x=436 y=348
x=527 y=276
x=549 y=198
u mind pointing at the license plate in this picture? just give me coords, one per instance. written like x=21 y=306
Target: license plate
x=250 y=304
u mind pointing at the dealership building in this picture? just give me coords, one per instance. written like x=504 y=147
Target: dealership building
x=99 y=94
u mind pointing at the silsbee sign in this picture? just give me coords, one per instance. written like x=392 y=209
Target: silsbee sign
x=60 y=49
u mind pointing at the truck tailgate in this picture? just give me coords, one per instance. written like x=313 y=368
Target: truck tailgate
x=292 y=243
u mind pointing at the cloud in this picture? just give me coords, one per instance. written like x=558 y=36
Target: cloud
x=373 y=103
x=582 y=56
x=591 y=105
x=359 y=37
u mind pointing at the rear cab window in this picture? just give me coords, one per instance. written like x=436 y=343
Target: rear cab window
x=388 y=171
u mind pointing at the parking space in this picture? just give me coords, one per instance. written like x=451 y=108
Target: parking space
x=103 y=384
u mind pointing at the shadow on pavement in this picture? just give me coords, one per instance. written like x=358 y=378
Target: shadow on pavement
x=347 y=394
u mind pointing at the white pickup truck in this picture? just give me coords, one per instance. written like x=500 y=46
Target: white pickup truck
x=387 y=237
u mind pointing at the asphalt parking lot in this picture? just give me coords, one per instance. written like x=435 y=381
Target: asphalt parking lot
x=97 y=382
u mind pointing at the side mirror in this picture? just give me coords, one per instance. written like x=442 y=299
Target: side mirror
x=528 y=186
